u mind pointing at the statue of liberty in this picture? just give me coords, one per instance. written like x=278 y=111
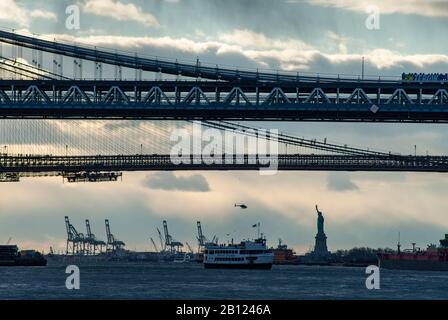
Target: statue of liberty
x=320 y=247
x=320 y=222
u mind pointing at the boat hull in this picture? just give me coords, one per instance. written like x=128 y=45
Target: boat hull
x=263 y=266
x=418 y=265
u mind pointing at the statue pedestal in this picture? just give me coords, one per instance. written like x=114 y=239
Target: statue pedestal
x=320 y=247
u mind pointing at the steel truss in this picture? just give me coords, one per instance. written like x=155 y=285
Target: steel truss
x=73 y=164
x=214 y=100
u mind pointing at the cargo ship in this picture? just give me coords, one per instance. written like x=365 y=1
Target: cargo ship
x=245 y=255
x=434 y=258
x=284 y=255
x=10 y=256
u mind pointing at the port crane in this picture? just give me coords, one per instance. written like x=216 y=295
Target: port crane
x=162 y=246
x=189 y=247
x=154 y=245
x=202 y=240
x=75 y=239
x=91 y=241
x=112 y=243
x=171 y=243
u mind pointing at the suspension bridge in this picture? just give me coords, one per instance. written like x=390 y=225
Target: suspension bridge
x=46 y=113
x=211 y=92
x=94 y=150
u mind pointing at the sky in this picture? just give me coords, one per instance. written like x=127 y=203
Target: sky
x=315 y=36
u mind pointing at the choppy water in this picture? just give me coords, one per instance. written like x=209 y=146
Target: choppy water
x=191 y=281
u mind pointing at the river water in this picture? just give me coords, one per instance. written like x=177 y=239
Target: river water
x=191 y=281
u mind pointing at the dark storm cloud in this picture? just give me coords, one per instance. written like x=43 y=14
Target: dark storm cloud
x=168 y=181
x=340 y=181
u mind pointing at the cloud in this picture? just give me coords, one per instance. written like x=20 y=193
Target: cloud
x=251 y=39
x=181 y=44
x=294 y=54
x=168 y=181
x=120 y=11
x=12 y=12
x=42 y=14
x=430 y=8
x=285 y=53
x=340 y=181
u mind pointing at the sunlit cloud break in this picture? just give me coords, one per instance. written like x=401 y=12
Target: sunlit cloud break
x=430 y=8
x=120 y=11
x=290 y=54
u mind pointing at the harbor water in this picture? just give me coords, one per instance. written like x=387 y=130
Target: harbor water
x=191 y=281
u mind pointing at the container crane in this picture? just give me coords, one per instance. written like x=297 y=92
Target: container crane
x=112 y=243
x=154 y=245
x=189 y=248
x=173 y=244
x=201 y=238
x=90 y=238
x=92 y=242
x=163 y=248
x=75 y=239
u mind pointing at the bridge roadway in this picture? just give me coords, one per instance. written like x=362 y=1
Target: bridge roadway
x=218 y=100
x=73 y=164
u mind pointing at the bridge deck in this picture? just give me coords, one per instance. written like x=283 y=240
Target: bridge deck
x=42 y=164
x=217 y=100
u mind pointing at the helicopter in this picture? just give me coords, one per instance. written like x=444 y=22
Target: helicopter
x=242 y=206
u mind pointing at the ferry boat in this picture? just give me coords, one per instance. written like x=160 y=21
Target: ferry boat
x=284 y=255
x=245 y=255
